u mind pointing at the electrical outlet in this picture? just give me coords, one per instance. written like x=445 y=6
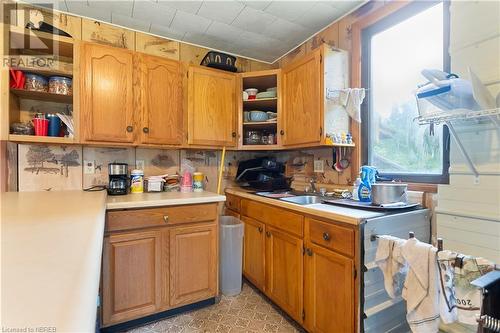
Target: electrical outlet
x=139 y=164
x=319 y=166
x=88 y=167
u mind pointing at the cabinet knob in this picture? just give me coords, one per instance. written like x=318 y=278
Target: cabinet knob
x=165 y=218
x=145 y=129
x=326 y=236
x=260 y=229
x=282 y=132
x=233 y=134
x=130 y=129
x=268 y=233
x=309 y=252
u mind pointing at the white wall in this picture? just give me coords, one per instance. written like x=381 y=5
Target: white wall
x=468 y=214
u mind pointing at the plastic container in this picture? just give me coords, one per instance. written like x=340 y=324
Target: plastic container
x=137 y=181
x=198 y=182
x=54 y=124
x=60 y=85
x=41 y=126
x=231 y=252
x=35 y=82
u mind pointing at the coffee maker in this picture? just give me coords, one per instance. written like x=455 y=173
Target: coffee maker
x=118 y=178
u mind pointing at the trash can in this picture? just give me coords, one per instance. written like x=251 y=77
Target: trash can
x=231 y=253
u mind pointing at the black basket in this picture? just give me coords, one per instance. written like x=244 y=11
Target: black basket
x=220 y=60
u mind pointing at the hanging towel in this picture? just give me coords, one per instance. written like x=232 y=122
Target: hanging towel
x=447 y=299
x=390 y=261
x=421 y=290
x=353 y=107
x=344 y=96
x=468 y=297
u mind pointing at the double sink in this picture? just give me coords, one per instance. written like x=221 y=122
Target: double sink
x=293 y=197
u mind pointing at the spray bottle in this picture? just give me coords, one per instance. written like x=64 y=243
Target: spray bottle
x=367 y=175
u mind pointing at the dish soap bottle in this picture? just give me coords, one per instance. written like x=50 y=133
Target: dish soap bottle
x=365 y=188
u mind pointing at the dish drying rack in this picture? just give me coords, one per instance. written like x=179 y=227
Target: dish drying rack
x=488 y=112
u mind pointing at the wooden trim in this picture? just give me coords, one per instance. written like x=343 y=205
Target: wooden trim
x=356 y=30
x=423 y=187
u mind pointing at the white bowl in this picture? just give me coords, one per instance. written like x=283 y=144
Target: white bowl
x=245 y=96
x=252 y=91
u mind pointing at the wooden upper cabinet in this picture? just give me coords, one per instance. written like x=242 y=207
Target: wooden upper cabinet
x=212 y=107
x=329 y=291
x=160 y=93
x=284 y=271
x=254 y=253
x=107 y=102
x=193 y=264
x=302 y=107
x=131 y=280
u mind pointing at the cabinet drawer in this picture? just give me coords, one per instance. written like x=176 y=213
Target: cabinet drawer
x=160 y=216
x=233 y=202
x=332 y=236
x=276 y=217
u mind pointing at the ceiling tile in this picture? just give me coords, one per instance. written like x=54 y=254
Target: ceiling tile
x=287 y=31
x=130 y=22
x=83 y=9
x=224 y=31
x=119 y=7
x=253 y=20
x=318 y=16
x=345 y=6
x=186 y=6
x=189 y=22
x=151 y=11
x=166 y=32
x=289 y=10
x=221 y=11
x=259 y=5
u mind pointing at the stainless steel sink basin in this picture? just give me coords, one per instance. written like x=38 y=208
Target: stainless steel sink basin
x=303 y=199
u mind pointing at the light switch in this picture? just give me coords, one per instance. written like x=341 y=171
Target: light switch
x=88 y=167
x=319 y=166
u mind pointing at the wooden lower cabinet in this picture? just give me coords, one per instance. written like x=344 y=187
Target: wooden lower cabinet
x=131 y=275
x=254 y=252
x=193 y=264
x=284 y=271
x=329 y=291
x=149 y=269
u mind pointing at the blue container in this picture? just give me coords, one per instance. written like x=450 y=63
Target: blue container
x=54 y=125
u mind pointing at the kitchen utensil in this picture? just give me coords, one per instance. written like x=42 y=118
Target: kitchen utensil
x=252 y=93
x=246 y=116
x=344 y=161
x=387 y=193
x=266 y=94
x=54 y=124
x=253 y=138
x=41 y=126
x=336 y=165
x=272 y=89
x=256 y=116
x=245 y=96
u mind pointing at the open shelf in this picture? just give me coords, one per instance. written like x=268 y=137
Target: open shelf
x=42 y=96
x=41 y=42
x=266 y=103
x=40 y=139
x=261 y=124
x=351 y=145
x=45 y=71
x=260 y=147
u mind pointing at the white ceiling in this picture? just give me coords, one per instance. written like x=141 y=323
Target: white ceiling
x=262 y=30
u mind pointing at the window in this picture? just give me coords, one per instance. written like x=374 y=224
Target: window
x=395 y=50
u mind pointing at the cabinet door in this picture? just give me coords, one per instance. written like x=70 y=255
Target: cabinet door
x=131 y=276
x=193 y=264
x=161 y=100
x=329 y=291
x=284 y=271
x=211 y=107
x=254 y=252
x=302 y=101
x=107 y=94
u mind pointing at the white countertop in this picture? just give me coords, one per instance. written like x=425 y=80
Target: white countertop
x=329 y=212
x=51 y=259
x=143 y=200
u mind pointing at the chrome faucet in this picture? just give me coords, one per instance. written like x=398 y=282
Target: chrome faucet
x=312 y=181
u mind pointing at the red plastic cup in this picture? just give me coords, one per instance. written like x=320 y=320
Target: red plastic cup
x=41 y=126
